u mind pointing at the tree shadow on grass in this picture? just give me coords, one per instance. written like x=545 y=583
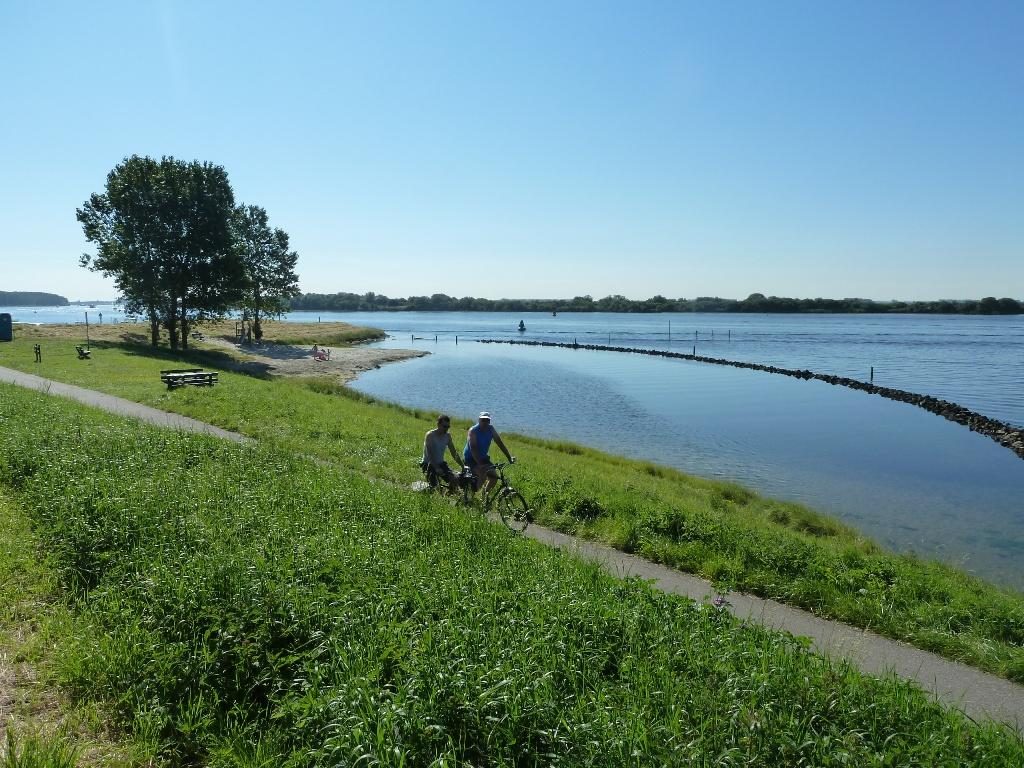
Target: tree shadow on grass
x=279 y=351
x=137 y=345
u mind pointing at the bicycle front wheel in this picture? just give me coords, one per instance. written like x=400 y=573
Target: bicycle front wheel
x=514 y=511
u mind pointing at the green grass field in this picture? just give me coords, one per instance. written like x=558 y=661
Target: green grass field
x=246 y=606
x=721 y=531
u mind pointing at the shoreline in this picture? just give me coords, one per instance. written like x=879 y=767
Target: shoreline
x=285 y=353
x=289 y=360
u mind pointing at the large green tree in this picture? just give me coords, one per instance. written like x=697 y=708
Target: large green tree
x=163 y=231
x=270 y=278
x=124 y=224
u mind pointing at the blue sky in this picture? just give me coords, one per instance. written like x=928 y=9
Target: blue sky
x=542 y=149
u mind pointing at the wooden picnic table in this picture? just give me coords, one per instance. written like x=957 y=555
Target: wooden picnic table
x=179 y=377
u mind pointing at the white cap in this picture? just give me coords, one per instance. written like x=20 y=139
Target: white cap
x=484 y=415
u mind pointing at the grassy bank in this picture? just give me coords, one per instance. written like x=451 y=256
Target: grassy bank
x=243 y=606
x=717 y=530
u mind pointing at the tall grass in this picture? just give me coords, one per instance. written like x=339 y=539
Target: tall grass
x=244 y=606
x=38 y=727
x=717 y=530
x=36 y=751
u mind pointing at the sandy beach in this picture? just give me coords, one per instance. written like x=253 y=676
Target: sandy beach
x=345 y=363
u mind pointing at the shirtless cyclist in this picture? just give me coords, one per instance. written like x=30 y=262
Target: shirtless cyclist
x=435 y=443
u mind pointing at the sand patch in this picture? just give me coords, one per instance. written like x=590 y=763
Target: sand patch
x=345 y=363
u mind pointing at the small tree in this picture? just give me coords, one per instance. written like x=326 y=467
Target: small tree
x=270 y=279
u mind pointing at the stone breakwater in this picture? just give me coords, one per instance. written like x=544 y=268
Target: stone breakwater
x=1005 y=434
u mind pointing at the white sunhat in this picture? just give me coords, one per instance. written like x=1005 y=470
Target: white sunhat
x=484 y=415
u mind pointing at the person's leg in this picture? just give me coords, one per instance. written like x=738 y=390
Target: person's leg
x=451 y=481
x=492 y=478
x=480 y=472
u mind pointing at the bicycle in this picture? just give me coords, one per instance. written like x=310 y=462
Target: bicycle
x=512 y=507
x=463 y=490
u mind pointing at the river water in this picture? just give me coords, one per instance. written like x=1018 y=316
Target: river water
x=905 y=477
x=909 y=479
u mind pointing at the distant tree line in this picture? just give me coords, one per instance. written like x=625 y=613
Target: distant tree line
x=181 y=251
x=756 y=302
x=31 y=299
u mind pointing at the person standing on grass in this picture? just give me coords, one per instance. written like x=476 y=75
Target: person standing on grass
x=478 y=443
x=435 y=443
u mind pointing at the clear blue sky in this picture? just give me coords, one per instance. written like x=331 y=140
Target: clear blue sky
x=542 y=149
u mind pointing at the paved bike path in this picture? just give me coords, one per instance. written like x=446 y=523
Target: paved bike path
x=978 y=694
x=117 y=405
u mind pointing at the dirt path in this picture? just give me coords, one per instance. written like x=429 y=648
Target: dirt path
x=976 y=693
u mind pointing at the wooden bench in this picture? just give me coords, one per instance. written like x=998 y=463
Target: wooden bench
x=83 y=353
x=194 y=376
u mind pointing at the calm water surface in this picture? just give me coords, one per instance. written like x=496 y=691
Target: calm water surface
x=905 y=477
x=976 y=361
x=72 y=313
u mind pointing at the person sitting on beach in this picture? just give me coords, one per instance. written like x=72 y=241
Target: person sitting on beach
x=478 y=443
x=321 y=353
x=435 y=443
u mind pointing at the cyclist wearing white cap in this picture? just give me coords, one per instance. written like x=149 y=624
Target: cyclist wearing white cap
x=478 y=443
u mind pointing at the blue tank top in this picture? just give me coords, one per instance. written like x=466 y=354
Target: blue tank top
x=484 y=435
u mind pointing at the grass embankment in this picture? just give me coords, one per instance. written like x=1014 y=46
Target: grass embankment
x=243 y=606
x=720 y=531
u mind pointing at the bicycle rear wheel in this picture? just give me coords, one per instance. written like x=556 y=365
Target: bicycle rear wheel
x=514 y=511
